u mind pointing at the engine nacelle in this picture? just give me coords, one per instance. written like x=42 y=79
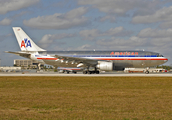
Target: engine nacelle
x=106 y=66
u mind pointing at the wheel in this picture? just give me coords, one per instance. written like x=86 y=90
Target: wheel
x=89 y=72
x=97 y=72
x=147 y=72
x=84 y=72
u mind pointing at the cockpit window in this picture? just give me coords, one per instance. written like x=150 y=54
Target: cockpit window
x=160 y=55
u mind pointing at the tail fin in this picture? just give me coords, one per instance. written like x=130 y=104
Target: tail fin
x=24 y=41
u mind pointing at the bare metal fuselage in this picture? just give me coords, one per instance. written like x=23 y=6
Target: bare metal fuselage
x=123 y=59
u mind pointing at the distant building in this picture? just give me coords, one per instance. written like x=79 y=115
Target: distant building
x=27 y=64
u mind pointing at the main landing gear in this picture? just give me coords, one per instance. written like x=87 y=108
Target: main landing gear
x=91 y=72
x=147 y=70
x=72 y=72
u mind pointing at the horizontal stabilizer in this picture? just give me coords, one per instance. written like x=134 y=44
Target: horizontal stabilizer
x=22 y=54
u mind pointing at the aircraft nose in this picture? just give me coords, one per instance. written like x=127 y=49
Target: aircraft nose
x=165 y=60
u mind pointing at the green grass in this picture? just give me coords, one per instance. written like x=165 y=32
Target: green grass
x=123 y=98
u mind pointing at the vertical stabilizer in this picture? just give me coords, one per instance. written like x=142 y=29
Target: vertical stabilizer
x=24 y=41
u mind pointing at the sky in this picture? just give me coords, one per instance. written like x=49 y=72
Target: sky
x=87 y=25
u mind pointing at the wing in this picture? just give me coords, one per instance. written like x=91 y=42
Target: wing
x=79 y=60
x=74 y=60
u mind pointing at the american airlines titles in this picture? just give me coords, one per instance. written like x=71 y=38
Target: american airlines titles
x=124 y=53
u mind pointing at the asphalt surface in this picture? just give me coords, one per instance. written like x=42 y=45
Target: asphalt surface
x=114 y=74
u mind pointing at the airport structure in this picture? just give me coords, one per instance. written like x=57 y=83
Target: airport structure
x=27 y=64
x=9 y=69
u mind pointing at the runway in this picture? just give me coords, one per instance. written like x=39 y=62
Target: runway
x=91 y=75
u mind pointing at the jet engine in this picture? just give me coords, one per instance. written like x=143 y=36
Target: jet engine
x=109 y=66
x=106 y=66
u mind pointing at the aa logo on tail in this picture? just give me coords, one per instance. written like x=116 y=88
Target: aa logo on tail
x=25 y=43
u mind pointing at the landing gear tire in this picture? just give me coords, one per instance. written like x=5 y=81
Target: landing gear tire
x=147 y=70
x=89 y=72
x=97 y=72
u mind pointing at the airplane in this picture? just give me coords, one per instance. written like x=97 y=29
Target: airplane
x=90 y=61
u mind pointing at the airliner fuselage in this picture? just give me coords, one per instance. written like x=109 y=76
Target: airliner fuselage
x=121 y=59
